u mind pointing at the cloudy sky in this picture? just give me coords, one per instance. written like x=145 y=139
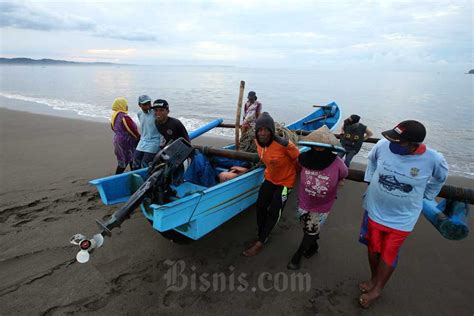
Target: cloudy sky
x=385 y=33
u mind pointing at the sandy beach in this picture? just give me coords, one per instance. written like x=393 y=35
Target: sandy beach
x=46 y=163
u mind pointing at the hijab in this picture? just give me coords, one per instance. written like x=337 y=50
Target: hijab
x=119 y=105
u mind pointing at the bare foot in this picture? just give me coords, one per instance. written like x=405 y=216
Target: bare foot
x=366 y=299
x=253 y=250
x=250 y=243
x=366 y=286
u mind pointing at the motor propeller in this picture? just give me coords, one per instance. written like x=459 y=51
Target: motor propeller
x=86 y=245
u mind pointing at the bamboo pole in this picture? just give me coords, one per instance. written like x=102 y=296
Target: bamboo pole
x=237 y=115
x=447 y=191
x=228 y=153
x=302 y=132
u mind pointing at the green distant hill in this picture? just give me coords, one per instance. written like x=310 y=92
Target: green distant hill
x=29 y=61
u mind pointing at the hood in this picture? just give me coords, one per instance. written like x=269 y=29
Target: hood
x=265 y=120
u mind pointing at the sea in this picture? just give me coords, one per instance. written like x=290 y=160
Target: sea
x=442 y=101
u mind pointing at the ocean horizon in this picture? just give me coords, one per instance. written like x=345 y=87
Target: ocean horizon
x=442 y=101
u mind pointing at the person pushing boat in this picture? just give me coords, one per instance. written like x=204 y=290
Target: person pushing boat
x=279 y=156
x=169 y=127
x=353 y=133
x=126 y=136
x=401 y=172
x=321 y=173
x=149 y=144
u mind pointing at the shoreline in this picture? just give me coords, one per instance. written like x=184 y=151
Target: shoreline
x=46 y=163
x=221 y=140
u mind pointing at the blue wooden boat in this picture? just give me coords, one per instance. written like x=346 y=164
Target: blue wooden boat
x=196 y=210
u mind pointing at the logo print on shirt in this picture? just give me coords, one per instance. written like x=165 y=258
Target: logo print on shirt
x=316 y=184
x=169 y=132
x=391 y=183
x=414 y=171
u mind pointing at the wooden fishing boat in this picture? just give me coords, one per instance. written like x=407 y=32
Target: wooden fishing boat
x=196 y=210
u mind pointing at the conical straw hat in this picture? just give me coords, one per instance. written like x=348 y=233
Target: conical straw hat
x=321 y=137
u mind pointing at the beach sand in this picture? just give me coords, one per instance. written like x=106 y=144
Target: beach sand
x=46 y=163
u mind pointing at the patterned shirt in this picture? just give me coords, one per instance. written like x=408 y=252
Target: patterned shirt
x=250 y=113
x=398 y=184
x=318 y=188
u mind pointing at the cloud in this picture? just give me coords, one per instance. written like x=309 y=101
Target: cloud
x=449 y=10
x=30 y=17
x=404 y=41
x=243 y=32
x=23 y=17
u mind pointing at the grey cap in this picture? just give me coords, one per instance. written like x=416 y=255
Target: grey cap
x=143 y=99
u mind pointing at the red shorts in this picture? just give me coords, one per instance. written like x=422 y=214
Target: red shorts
x=383 y=240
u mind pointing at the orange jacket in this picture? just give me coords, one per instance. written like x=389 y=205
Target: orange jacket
x=280 y=162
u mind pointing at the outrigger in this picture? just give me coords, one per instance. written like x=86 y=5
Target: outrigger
x=188 y=211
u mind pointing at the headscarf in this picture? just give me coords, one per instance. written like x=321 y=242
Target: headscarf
x=119 y=105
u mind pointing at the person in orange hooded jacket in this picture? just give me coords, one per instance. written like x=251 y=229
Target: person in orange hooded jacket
x=279 y=156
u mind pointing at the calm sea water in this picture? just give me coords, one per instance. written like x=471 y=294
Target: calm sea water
x=442 y=101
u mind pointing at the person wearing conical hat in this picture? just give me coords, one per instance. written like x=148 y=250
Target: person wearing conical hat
x=321 y=172
x=126 y=135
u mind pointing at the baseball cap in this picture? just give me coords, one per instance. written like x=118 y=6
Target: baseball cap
x=144 y=99
x=160 y=103
x=412 y=131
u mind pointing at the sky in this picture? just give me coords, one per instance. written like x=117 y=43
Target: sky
x=302 y=34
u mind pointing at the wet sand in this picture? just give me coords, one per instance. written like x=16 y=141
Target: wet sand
x=46 y=163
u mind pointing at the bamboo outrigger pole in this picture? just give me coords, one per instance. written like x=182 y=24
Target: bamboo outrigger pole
x=301 y=132
x=237 y=115
x=228 y=153
x=447 y=192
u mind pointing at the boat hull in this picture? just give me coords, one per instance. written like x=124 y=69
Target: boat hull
x=198 y=210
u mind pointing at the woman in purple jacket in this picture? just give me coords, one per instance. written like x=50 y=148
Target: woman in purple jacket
x=126 y=134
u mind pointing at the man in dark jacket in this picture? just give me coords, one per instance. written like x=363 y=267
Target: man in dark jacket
x=170 y=128
x=353 y=134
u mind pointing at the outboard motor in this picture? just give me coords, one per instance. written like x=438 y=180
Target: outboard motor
x=165 y=168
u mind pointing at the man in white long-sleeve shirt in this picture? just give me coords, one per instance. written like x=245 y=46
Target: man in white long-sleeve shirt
x=401 y=171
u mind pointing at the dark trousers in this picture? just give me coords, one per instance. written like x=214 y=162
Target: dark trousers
x=270 y=202
x=142 y=159
x=350 y=153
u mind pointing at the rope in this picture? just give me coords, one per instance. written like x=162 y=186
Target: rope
x=247 y=142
